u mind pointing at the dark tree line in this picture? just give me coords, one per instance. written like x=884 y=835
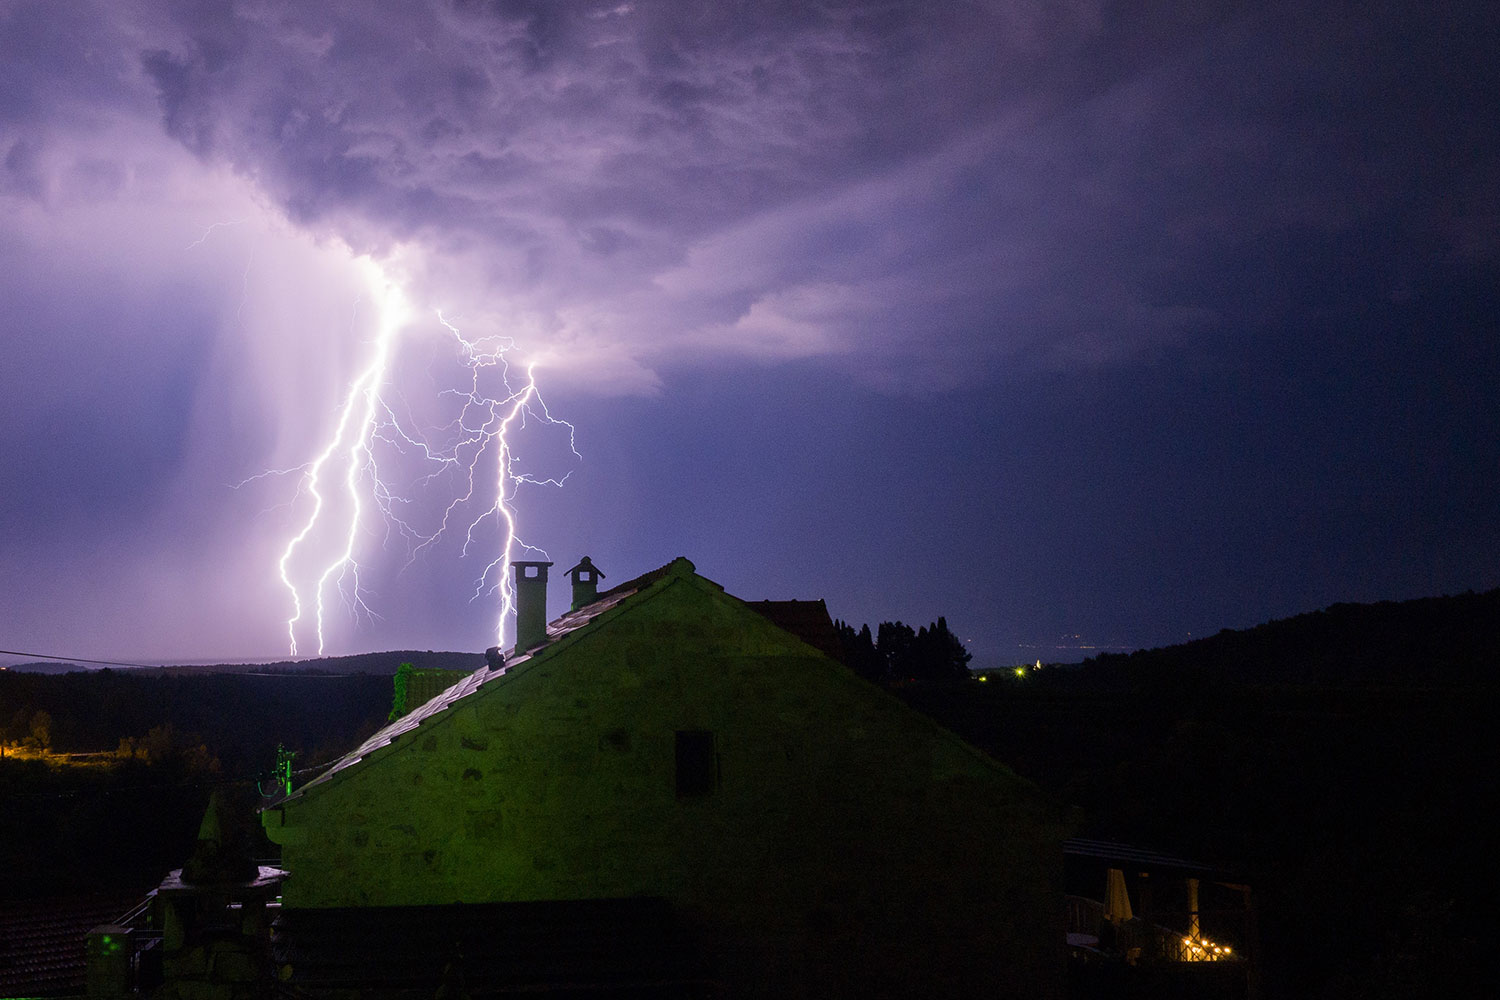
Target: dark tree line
x=1337 y=761
x=148 y=716
x=164 y=743
x=895 y=654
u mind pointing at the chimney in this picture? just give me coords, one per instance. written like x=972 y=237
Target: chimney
x=531 y=604
x=585 y=577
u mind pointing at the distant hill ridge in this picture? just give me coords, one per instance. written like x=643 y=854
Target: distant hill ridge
x=1426 y=642
x=357 y=663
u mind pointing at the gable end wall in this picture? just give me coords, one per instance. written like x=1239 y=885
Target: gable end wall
x=838 y=812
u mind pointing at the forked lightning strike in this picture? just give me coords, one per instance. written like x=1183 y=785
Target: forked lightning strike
x=496 y=419
x=347 y=470
x=351 y=446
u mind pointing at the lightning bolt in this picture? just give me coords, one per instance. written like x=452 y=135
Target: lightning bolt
x=487 y=422
x=210 y=231
x=343 y=483
x=348 y=457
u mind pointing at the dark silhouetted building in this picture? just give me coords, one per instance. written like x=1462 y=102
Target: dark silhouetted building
x=669 y=793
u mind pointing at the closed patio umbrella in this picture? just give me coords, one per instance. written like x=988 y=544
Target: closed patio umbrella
x=1116 y=899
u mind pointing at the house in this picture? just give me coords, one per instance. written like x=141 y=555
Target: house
x=666 y=792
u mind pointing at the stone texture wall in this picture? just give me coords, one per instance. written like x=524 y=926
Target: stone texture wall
x=850 y=847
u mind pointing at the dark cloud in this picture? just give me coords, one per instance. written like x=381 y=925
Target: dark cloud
x=1056 y=175
x=1106 y=268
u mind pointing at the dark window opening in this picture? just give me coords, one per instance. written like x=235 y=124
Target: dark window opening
x=696 y=763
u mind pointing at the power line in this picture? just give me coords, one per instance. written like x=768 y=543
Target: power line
x=74 y=659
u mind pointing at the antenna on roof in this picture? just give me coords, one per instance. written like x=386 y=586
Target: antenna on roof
x=282 y=776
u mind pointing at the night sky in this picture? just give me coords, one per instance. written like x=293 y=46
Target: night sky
x=1083 y=324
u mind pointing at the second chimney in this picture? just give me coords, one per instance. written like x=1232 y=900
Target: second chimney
x=531 y=604
x=585 y=577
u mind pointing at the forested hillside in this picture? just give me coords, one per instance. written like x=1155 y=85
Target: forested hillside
x=355 y=663
x=1339 y=761
x=106 y=773
x=1429 y=642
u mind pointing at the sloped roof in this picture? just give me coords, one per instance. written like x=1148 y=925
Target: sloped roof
x=807 y=620
x=42 y=949
x=558 y=629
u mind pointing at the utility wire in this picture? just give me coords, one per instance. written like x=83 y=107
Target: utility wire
x=75 y=659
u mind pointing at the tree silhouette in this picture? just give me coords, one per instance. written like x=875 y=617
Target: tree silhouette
x=938 y=653
x=41 y=728
x=896 y=654
x=894 y=641
x=860 y=654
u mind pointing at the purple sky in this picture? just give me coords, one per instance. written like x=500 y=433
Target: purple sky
x=1060 y=319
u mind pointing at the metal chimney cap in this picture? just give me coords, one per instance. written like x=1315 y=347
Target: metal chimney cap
x=585 y=565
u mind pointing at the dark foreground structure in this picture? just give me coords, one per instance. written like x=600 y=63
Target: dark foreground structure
x=663 y=792
x=1142 y=924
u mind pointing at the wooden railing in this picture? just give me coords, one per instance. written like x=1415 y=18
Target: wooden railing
x=1140 y=940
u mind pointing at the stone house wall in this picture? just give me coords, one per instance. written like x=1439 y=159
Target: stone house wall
x=845 y=840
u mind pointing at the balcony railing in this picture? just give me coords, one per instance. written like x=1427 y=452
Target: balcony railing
x=1164 y=938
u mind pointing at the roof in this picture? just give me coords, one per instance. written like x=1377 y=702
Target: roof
x=559 y=629
x=42 y=941
x=807 y=620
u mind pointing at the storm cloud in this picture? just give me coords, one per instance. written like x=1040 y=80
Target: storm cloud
x=924 y=201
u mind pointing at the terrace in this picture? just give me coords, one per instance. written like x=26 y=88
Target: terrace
x=1141 y=923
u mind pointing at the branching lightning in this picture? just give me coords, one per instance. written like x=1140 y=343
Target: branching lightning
x=352 y=449
x=344 y=488
x=488 y=421
x=210 y=231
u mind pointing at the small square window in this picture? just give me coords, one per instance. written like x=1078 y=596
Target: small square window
x=697 y=765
